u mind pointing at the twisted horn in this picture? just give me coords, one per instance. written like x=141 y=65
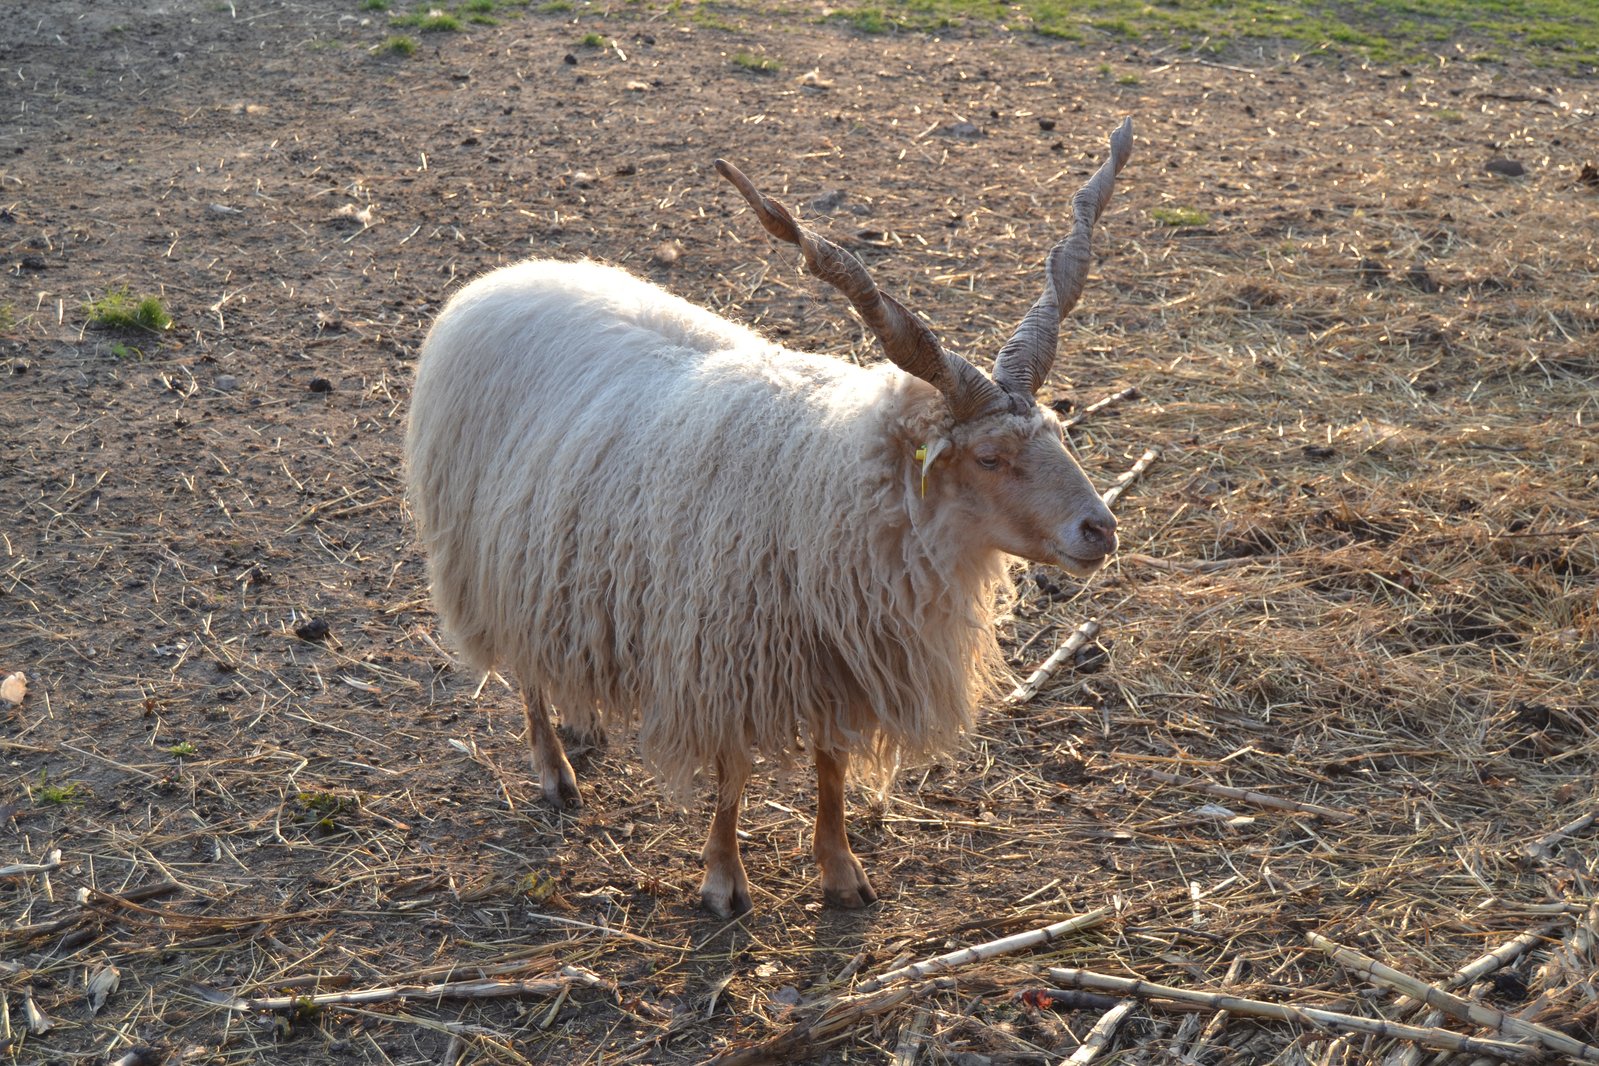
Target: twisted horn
x=905 y=338
x=1024 y=362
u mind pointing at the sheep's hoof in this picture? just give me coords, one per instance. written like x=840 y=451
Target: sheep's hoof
x=560 y=789
x=724 y=896
x=850 y=898
x=850 y=889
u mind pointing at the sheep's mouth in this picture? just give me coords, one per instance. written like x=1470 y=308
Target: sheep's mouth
x=1079 y=567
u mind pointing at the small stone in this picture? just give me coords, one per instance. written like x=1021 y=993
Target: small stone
x=227 y=383
x=1046 y=124
x=963 y=131
x=33 y=262
x=1508 y=168
x=667 y=253
x=321 y=385
x=569 y=59
x=828 y=202
x=313 y=630
x=1418 y=277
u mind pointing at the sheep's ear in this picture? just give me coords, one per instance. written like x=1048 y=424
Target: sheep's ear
x=905 y=338
x=1023 y=364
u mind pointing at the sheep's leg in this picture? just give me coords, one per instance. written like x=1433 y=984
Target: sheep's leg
x=549 y=757
x=844 y=882
x=726 y=890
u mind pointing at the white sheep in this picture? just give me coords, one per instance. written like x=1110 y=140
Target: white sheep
x=645 y=512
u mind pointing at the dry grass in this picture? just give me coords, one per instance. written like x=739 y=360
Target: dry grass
x=1359 y=581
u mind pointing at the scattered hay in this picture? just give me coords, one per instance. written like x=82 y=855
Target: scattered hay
x=1345 y=677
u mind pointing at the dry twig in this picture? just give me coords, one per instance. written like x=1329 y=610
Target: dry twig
x=1455 y=1006
x=1112 y=494
x=1100 y=1036
x=1260 y=799
x=1037 y=679
x=1316 y=1018
x=992 y=949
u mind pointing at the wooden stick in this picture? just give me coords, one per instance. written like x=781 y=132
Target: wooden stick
x=444 y=990
x=18 y=869
x=1112 y=494
x=1260 y=799
x=1100 y=1036
x=1035 y=681
x=1129 y=393
x=1311 y=1017
x=992 y=949
x=1464 y=1009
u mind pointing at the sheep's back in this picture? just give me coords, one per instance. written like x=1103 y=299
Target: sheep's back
x=647 y=510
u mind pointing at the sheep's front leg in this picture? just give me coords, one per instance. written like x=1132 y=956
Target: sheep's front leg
x=549 y=757
x=844 y=882
x=726 y=890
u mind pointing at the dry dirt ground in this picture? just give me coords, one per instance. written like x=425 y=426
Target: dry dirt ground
x=1359 y=580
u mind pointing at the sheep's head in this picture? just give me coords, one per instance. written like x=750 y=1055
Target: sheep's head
x=1021 y=491
x=1005 y=456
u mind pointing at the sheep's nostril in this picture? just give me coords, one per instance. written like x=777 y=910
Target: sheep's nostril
x=1101 y=532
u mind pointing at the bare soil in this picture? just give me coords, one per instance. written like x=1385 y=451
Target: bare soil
x=1360 y=575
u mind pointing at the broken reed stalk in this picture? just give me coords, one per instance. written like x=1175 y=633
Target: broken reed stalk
x=1100 y=1036
x=476 y=989
x=22 y=869
x=1316 y=1018
x=1218 y=1020
x=820 y=1027
x=89 y=908
x=1463 y=1009
x=1259 y=799
x=1112 y=494
x=1469 y=974
x=1129 y=393
x=992 y=949
x=1490 y=961
x=1541 y=848
x=911 y=1039
x=1037 y=679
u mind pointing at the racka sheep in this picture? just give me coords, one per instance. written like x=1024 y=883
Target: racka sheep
x=642 y=511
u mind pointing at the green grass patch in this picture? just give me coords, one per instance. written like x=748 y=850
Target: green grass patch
x=399 y=45
x=374 y=5
x=592 y=40
x=58 y=795
x=324 y=808
x=1179 y=216
x=1561 y=33
x=183 y=750
x=555 y=7
x=118 y=309
x=430 y=21
x=755 y=64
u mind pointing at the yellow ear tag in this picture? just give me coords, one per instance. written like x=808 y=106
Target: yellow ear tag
x=921 y=457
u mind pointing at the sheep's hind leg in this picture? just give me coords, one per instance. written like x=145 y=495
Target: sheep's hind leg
x=844 y=882
x=549 y=757
x=726 y=889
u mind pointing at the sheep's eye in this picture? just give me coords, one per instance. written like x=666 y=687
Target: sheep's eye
x=988 y=462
